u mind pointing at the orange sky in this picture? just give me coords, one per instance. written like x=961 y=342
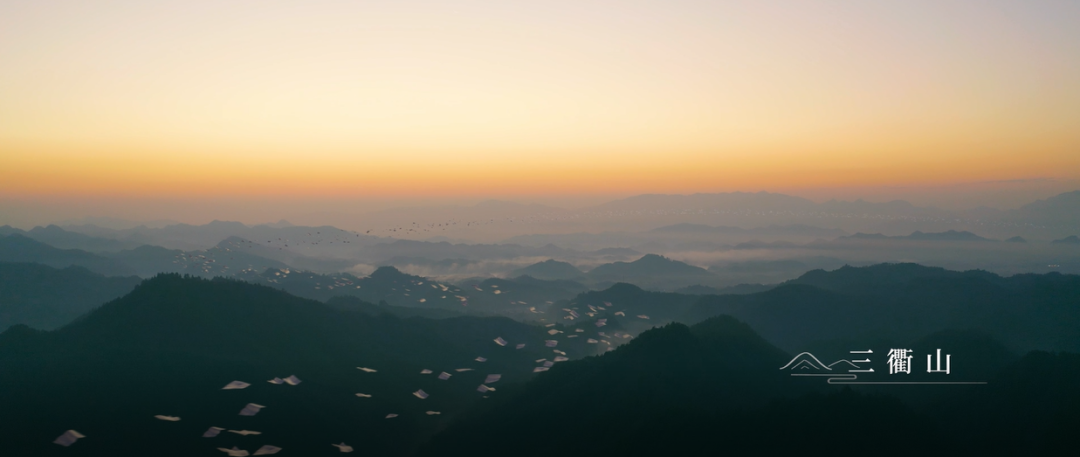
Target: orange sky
x=416 y=99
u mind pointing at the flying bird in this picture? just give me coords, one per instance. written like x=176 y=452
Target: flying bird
x=251 y=409
x=234 y=452
x=235 y=385
x=267 y=450
x=212 y=432
x=68 y=438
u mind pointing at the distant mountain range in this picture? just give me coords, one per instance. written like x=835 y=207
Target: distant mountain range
x=57 y=237
x=1072 y=239
x=950 y=235
x=19 y=248
x=46 y=298
x=670 y=225
x=324 y=241
x=1059 y=210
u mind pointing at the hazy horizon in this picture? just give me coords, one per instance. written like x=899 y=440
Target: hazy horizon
x=259 y=111
x=27 y=212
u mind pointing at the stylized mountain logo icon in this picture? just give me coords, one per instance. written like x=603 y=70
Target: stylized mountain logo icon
x=805 y=361
x=842 y=364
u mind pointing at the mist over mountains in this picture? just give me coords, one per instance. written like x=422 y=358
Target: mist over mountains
x=670 y=317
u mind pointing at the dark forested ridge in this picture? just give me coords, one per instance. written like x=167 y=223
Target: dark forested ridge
x=169 y=346
x=906 y=301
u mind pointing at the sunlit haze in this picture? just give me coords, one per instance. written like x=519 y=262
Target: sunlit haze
x=408 y=99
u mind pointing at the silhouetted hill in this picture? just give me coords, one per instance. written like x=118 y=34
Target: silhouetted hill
x=1062 y=210
x=870 y=278
x=170 y=346
x=652 y=271
x=19 y=248
x=6 y=230
x=58 y=237
x=1072 y=239
x=45 y=298
x=1016 y=239
x=905 y=301
x=551 y=269
x=674 y=390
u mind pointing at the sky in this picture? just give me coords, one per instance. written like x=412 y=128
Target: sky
x=198 y=101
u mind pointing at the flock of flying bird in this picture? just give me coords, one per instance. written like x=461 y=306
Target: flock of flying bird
x=71 y=436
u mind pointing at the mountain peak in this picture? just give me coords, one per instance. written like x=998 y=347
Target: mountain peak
x=387 y=273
